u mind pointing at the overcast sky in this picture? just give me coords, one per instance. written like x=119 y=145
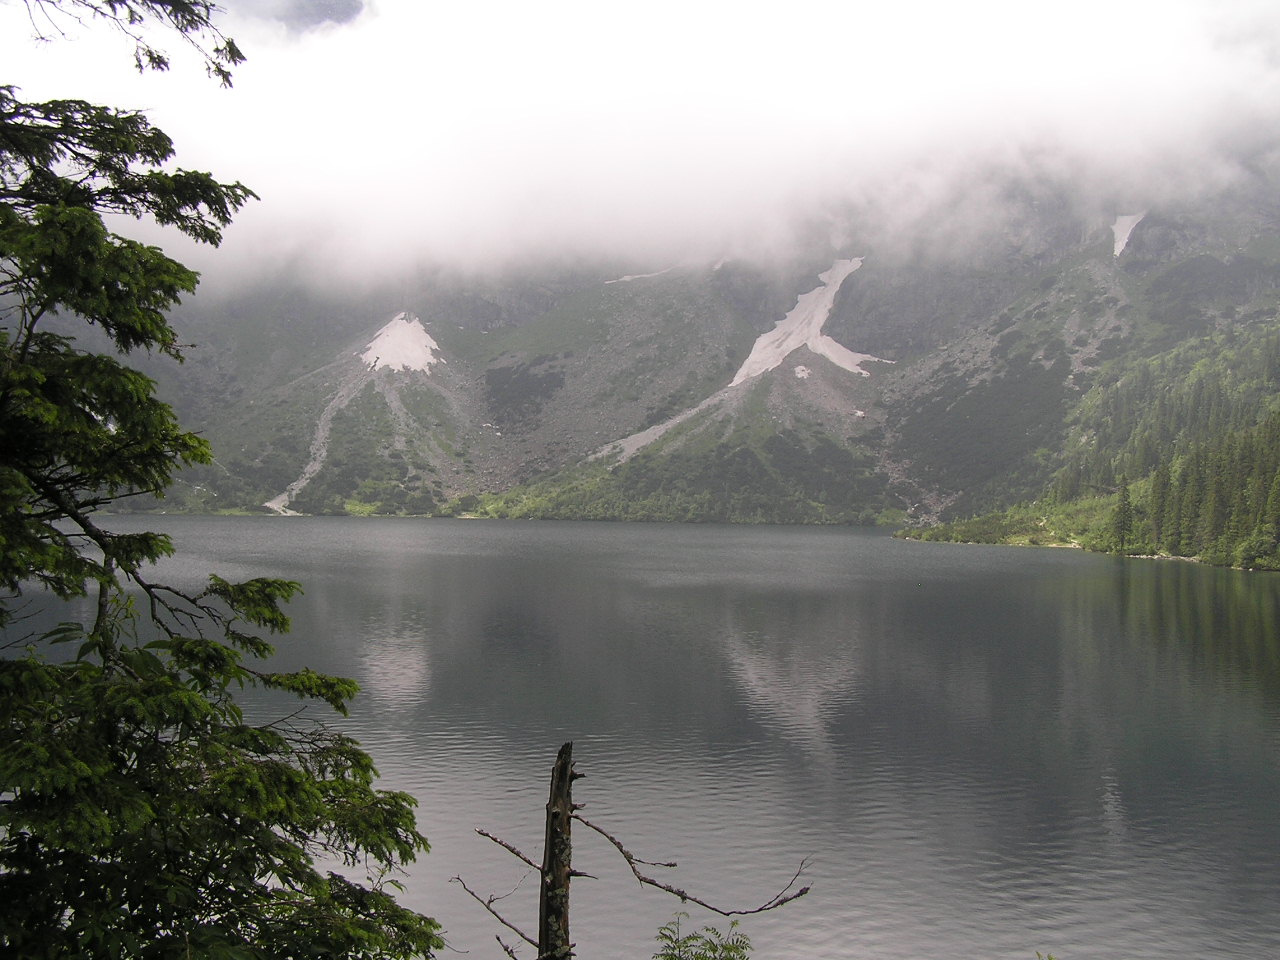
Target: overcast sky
x=397 y=130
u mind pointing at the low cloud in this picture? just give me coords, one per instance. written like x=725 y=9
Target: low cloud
x=398 y=132
x=297 y=14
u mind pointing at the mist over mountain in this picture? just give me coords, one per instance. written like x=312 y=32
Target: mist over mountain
x=387 y=137
x=948 y=366
x=605 y=224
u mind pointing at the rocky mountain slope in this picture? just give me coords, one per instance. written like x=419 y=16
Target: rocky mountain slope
x=941 y=370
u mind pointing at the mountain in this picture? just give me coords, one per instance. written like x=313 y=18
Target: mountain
x=957 y=364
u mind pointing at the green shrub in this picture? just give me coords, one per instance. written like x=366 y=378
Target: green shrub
x=705 y=944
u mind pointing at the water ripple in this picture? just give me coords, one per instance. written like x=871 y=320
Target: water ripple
x=984 y=752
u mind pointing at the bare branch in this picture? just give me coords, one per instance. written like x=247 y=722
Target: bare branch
x=508 y=847
x=192 y=21
x=488 y=905
x=633 y=862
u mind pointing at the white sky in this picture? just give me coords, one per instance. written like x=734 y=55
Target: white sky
x=464 y=131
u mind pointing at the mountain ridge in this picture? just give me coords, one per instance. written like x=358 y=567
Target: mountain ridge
x=978 y=357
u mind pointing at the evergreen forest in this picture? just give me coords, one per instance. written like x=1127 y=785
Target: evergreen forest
x=1179 y=456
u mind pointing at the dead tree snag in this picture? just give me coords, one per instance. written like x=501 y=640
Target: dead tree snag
x=557 y=858
x=556 y=870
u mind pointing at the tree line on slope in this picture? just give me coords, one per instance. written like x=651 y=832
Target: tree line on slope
x=1218 y=503
x=1195 y=430
x=1162 y=407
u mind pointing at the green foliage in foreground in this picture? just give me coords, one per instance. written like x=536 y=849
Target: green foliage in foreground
x=710 y=944
x=705 y=944
x=142 y=813
x=145 y=816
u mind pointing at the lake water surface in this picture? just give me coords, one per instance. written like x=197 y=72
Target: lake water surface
x=982 y=752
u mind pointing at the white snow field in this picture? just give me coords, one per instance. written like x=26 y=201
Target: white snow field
x=1123 y=227
x=638 y=276
x=403 y=344
x=802 y=327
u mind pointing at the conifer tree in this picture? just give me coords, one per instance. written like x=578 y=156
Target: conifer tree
x=1158 y=504
x=1271 y=513
x=141 y=813
x=1190 y=500
x=1122 y=518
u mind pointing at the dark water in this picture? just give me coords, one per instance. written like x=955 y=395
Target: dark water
x=983 y=752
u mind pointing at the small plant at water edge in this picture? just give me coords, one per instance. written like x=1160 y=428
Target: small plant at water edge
x=705 y=944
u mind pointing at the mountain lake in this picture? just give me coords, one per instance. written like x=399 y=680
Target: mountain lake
x=976 y=752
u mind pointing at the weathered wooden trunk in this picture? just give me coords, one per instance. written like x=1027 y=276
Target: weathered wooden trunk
x=557 y=856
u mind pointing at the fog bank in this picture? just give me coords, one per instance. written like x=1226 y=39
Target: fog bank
x=386 y=134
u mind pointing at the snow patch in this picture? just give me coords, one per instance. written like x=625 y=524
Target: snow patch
x=629 y=446
x=403 y=344
x=639 y=276
x=799 y=328
x=802 y=327
x=1123 y=227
